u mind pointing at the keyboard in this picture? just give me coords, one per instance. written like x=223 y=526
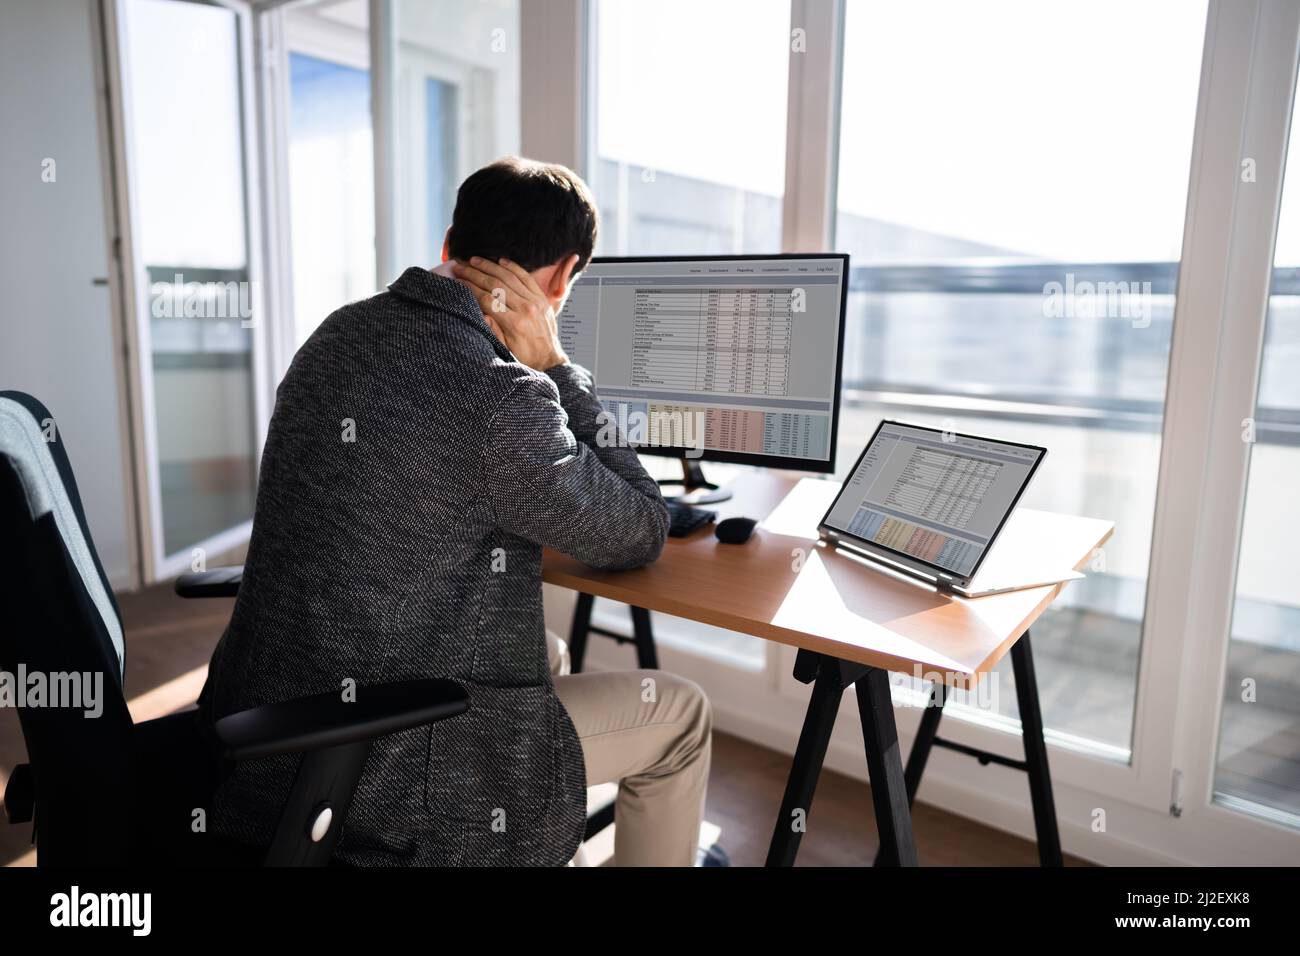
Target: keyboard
x=683 y=519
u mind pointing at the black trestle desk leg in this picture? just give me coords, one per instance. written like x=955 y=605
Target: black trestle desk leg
x=885 y=765
x=646 y=656
x=796 y=805
x=921 y=746
x=1031 y=729
x=579 y=630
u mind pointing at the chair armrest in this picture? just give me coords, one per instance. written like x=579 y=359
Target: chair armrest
x=219 y=582
x=326 y=720
x=334 y=738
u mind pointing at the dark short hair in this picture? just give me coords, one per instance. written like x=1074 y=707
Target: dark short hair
x=531 y=213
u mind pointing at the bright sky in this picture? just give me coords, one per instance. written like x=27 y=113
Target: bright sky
x=696 y=87
x=1059 y=129
x=185 y=132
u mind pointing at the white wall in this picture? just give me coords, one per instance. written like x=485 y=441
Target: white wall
x=56 y=325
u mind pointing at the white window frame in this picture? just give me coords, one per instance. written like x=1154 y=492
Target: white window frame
x=156 y=563
x=1225 y=280
x=416 y=66
x=325 y=40
x=479 y=143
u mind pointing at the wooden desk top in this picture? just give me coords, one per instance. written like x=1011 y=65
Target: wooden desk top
x=782 y=585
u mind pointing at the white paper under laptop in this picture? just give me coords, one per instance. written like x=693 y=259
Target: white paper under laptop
x=935 y=504
x=1021 y=557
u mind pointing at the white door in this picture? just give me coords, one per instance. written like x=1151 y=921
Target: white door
x=186 y=144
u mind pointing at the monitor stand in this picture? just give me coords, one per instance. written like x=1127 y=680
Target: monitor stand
x=695 y=488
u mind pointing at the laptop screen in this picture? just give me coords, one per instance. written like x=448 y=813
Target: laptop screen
x=931 y=497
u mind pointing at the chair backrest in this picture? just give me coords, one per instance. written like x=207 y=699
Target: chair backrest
x=30 y=442
x=61 y=649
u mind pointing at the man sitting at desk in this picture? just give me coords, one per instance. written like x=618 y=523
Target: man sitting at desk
x=426 y=444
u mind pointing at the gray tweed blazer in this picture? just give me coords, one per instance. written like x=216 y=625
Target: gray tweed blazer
x=413 y=471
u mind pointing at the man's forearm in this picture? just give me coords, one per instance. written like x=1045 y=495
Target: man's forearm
x=590 y=426
x=589 y=498
x=578 y=399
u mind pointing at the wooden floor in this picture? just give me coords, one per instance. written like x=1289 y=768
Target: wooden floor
x=169 y=641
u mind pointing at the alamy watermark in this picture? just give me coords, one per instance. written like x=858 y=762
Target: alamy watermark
x=179 y=299
x=980 y=694
x=58 y=689
x=1083 y=299
x=78 y=908
x=668 y=426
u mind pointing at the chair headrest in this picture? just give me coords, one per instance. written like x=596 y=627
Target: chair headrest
x=33 y=446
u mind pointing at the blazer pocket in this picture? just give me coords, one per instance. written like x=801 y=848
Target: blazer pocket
x=491 y=772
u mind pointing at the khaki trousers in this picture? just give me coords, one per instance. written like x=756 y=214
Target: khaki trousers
x=651 y=732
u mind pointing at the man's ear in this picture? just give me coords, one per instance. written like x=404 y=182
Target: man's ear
x=446 y=245
x=561 y=276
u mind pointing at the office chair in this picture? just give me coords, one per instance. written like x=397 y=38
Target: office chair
x=224 y=582
x=106 y=791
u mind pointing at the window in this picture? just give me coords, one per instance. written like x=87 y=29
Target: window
x=331 y=187
x=456 y=75
x=187 y=145
x=441 y=135
x=1258 y=766
x=1014 y=209
x=330 y=160
x=689 y=107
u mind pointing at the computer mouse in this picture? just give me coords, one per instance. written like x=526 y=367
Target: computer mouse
x=734 y=530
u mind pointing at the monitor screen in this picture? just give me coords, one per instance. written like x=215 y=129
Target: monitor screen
x=932 y=497
x=719 y=358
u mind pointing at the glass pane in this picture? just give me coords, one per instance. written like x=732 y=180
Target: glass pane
x=1014 y=265
x=1259 y=735
x=184 y=71
x=456 y=109
x=187 y=147
x=331 y=173
x=440 y=147
x=689 y=110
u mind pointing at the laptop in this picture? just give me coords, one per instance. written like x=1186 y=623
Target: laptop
x=930 y=504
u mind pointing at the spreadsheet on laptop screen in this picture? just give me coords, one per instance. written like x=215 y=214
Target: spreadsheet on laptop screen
x=934 y=496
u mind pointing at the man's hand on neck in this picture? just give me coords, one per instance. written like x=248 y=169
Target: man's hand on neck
x=514 y=307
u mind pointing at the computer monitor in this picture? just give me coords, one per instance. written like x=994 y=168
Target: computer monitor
x=715 y=358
